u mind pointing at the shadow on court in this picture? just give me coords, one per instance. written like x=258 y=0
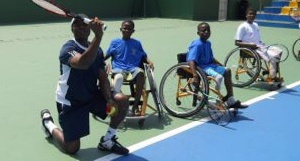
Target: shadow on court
x=291 y=92
x=263 y=86
x=151 y=121
x=89 y=154
x=132 y=157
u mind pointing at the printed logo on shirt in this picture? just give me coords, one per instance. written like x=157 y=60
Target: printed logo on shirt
x=73 y=52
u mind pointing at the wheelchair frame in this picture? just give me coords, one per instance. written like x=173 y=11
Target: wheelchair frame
x=144 y=99
x=145 y=95
x=246 y=66
x=182 y=99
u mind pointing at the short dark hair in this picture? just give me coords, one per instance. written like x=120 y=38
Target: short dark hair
x=249 y=9
x=202 y=23
x=128 y=21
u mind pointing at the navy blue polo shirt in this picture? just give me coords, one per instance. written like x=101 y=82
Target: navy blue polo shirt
x=77 y=86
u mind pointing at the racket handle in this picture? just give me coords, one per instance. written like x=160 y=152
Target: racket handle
x=87 y=21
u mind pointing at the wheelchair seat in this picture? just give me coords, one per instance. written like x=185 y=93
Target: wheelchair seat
x=128 y=88
x=130 y=81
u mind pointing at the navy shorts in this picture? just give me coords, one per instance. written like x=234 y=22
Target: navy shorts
x=74 y=120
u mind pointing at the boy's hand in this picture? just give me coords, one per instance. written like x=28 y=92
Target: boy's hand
x=151 y=65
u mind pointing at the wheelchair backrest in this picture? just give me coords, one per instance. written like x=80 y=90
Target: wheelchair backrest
x=181 y=58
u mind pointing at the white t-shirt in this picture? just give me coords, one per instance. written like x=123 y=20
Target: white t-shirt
x=250 y=33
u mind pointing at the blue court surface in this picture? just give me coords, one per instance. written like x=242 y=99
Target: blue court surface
x=267 y=131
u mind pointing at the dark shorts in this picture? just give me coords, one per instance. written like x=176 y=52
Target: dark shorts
x=74 y=120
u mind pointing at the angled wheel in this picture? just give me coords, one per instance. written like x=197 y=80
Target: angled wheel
x=178 y=95
x=153 y=89
x=283 y=48
x=296 y=49
x=245 y=66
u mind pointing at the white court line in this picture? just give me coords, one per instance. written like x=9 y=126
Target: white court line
x=270 y=94
x=188 y=126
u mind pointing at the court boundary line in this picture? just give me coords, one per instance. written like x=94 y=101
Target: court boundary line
x=188 y=126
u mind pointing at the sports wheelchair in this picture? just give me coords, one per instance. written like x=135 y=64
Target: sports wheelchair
x=248 y=67
x=296 y=49
x=181 y=98
x=140 y=113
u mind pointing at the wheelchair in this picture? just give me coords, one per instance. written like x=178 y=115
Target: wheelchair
x=248 y=67
x=296 y=49
x=128 y=88
x=181 y=98
x=140 y=112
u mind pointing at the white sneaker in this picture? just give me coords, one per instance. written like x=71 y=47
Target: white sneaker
x=46 y=115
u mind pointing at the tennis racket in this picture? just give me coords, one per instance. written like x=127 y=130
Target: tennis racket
x=153 y=89
x=52 y=7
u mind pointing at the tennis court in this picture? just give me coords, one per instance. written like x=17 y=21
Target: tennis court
x=30 y=69
x=253 y=135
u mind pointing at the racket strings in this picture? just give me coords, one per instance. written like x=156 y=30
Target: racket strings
x=51 y=6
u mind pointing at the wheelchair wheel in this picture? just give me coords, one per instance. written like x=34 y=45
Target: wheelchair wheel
x=245 y=66
x=296 y=49
x=285 y=50
x=178 y=95
x=153 y=89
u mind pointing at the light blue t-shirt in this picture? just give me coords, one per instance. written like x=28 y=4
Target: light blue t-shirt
x=126 y=54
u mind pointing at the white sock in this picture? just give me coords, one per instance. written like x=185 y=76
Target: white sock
x=219 y=79
x=50 y=125
x=110 y=133
x=231 y=101
x=118 y=81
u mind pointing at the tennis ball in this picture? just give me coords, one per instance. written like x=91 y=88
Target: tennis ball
x=111 y=111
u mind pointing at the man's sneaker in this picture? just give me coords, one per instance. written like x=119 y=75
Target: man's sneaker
x=112 y=145
x=238 y=104
x=46 y=115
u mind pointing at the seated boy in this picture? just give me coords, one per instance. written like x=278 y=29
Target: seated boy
x=248 y=35
x=200 y=54
x=127 y=55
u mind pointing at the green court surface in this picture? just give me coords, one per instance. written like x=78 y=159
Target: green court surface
x=30 y=69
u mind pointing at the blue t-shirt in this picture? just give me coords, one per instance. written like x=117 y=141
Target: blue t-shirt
x=200 y=52
x=126 y=54
x=77 y=85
